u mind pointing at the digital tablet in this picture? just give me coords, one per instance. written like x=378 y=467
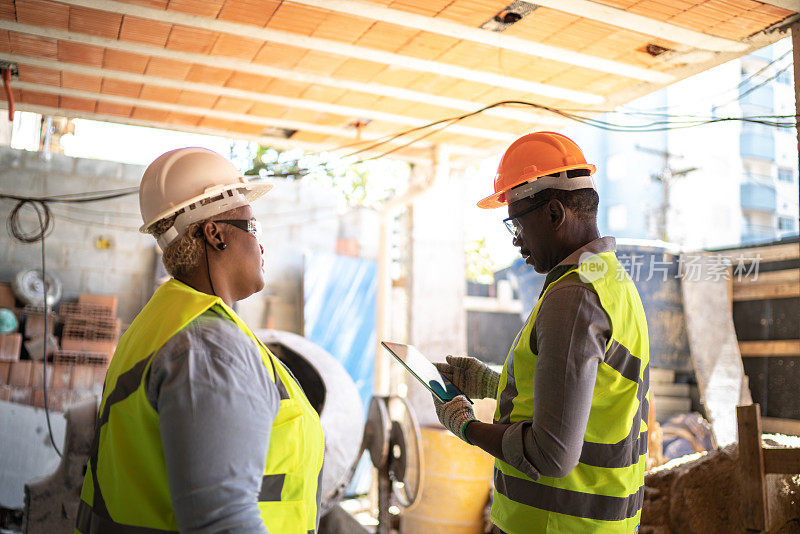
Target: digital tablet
x=423 y=370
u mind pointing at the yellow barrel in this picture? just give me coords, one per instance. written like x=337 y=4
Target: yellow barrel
x=456 y=479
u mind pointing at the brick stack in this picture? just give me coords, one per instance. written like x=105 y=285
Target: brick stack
x=89 y=330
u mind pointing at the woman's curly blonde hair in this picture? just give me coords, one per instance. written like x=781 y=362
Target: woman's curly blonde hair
x=184 y=254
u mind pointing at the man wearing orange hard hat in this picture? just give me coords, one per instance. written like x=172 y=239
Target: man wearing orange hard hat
x=570 y=458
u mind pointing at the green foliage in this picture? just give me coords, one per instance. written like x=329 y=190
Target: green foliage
x=359 y=183
x=479 y=265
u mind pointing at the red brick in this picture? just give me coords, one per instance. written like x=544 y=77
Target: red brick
x=37 y=375
x=5 y=369
x=82 y=377
x=144 y=31
x=94 y=22
x=5 y=393
x=20 y=375
x=7 y=298
x=100 y=375
x=39 y=13
x=61 y=375
x=59 y=399
x=10 y=345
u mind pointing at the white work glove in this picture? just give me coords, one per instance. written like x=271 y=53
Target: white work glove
x=455 y=414
x=473 y=377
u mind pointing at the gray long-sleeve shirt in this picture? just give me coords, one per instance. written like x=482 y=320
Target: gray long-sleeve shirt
x=571 y=332
x=216 y=403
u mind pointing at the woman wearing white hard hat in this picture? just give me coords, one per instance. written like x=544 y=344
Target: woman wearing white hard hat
x=201 y=428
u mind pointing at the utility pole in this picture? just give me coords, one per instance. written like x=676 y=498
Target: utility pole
x=665 y=177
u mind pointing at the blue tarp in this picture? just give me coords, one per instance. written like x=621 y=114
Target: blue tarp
x=339 y=313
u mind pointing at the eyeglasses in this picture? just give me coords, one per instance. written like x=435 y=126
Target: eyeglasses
x=248 y=225
x=512 y=223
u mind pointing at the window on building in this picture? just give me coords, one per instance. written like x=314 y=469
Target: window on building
x=785 y=175
x=785 y=223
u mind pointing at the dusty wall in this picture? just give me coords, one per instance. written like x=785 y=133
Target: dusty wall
x=296 y=217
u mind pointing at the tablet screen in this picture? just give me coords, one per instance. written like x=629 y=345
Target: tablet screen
x=423 y=370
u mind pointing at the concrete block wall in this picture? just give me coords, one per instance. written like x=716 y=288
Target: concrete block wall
x=297 y=218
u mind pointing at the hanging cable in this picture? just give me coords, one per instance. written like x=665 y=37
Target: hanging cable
x=45 y=227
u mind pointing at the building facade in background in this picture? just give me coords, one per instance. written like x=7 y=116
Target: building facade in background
x=714 y=185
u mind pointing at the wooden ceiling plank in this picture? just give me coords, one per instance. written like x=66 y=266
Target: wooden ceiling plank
x=145 y=31
x=238 y=47
x=114 y=109
x=169 y=63
x=116 y=59
x=192 y=40
x=206 y=8
x=117 y=87
x=256 y=12
x=324 y=45
x=78 y=104
x=167 y=68
x=83 y=82
x=94 y=22
x=42 y=13
x=460 y=31
x=80 y=53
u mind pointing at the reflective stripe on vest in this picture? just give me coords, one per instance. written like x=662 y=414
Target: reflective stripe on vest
x=605 y=490
x=125 y=489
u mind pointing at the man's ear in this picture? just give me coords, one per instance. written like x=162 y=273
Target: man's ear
x=557 y=213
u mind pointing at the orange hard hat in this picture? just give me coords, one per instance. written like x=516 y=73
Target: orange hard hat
x=531 y=158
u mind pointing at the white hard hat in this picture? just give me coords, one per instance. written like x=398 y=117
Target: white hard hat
x=194 y=183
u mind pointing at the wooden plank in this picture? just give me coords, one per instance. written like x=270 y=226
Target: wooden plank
x=782 y=461
x=766 y=291
x=751 y=468
x=770 y=277
x=662 y=376
x=788 y=251
x=777 y=425
x=671 y=390
x=776 y=347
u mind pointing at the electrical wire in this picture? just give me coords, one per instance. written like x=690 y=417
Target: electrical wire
x=45 y=227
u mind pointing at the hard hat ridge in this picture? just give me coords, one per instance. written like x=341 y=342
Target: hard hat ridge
x=540 y=160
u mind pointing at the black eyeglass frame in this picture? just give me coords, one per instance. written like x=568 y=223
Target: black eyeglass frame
x=512 y=224
x=250 y=226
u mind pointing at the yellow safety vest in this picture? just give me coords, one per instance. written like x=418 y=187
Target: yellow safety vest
x=125 y=488
x=604 y=492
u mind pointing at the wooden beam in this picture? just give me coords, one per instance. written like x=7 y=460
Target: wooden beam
x=767 y=253
x=763 y=291
x=323 y=107
x=330 y=46
x=770 y=277
x=441 y=26
x=782 y=461
x=638 y=23
x=776 y=425
x=229 y=116
x=751 y=468
x=274 y=72
x=277 y=142
x=777 y=347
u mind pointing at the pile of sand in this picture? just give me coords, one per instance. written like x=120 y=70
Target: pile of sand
x=701 y=493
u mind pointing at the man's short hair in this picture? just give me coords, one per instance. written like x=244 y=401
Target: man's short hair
x=582 y=202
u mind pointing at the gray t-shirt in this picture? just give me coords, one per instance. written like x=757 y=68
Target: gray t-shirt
x=571 y=333
x=216 y=403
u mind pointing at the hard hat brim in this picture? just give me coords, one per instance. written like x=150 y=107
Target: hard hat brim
x=498 y=200
x=252 y=191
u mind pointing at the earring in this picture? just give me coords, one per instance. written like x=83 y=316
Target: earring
x=221 y=246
